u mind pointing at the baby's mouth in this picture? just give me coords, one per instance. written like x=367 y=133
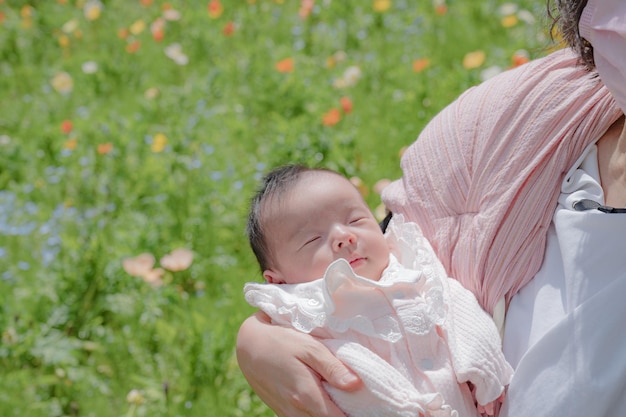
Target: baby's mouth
x=356 y=261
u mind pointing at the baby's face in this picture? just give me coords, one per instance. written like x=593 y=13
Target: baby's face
x=322 y=219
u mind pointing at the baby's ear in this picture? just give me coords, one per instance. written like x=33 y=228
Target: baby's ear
x=273 y=277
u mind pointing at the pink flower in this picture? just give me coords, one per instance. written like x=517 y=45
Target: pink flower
x=140 y=265
x=177 y=260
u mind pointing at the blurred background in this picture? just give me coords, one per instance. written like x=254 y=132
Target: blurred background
x=132 y=136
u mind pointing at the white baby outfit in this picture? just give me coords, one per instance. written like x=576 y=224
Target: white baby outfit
x=414 y=349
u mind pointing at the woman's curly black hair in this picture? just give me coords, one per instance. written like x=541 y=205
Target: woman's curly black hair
x=565 y=16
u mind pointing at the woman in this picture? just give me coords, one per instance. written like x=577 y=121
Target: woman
x=505 y=183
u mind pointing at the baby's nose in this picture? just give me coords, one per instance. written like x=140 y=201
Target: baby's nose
x=342 y=238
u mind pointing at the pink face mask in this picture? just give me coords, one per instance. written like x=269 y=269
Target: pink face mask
x=603 y=24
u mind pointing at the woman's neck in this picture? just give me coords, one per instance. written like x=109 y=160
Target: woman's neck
x=612 y=164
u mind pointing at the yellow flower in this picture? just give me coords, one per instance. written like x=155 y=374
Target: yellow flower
x=92 y=9
x=64 y=41
x=62 y=82
x=381 y=5
x=158 y=143
x=26 y=12
x=151 y=93
x=177 y=260
x=137 y=27
x=509 y=21
x=474 y=59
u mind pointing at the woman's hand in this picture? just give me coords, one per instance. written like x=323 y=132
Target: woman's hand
x=286 y=368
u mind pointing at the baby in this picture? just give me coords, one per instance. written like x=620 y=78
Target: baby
x=379 y=302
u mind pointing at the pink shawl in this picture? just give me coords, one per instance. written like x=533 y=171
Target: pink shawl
x=483 y=177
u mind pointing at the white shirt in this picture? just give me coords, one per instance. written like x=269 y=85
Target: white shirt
x=566 y=331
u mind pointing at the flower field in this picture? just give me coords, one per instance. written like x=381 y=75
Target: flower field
x=132 y=136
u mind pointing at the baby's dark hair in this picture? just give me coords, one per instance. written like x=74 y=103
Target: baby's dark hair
x=565 y=16
x=274 y=185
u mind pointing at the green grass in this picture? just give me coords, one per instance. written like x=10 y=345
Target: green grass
x=78 y=332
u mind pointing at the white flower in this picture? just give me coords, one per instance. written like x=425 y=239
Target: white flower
x=490 y=72
x=526 y=16
x=171 y=15
x=70 y=26
x=90 y=67
x=352 y=75
x=135 y=397
x=508 y=9
x=175 y=53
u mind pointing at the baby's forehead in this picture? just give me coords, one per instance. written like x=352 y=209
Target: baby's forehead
x=317 y=176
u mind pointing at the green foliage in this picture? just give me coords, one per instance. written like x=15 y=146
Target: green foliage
x=115 y=142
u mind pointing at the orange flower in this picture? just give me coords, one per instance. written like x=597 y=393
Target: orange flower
x=346 y=105
x=215 y=9
x=331 y=118
x=2 y=17
x=441 y=9
x=66 y=127
x=157 y=28
x=519 y=58
x=70 y=144
x=145 y=3
x=285 y=65
x=123 y=33
x=421 y=64
x=306 y=7
x=133 y=47
x=158 y=35
x=177 y=260
x=229 y=28
x=104 y=148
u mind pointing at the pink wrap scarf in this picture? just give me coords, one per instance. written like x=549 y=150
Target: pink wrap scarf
x=483 y=177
